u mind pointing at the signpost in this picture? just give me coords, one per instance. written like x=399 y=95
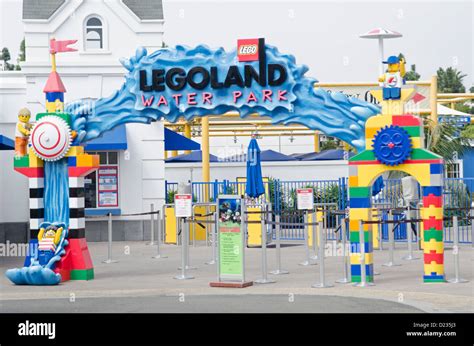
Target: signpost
x=183 y=205
x=231 y=242
x=183 y=209
x=305 y=200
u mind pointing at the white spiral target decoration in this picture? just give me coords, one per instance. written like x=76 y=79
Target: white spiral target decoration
x=50 y=138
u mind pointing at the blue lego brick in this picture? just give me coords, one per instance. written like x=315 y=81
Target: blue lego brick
x=368 y=247
x=435 y=190
x=369 y=269
x=436 y=168
x=72 y=161
x=359 y=202
x=434 y=278
x=53 y=96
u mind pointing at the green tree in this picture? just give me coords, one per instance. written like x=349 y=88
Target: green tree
x=450 y=80
x=329 y=144
x=468 y=132
x=445 y=140
x=412 y=74
x=22 y=55
x=6 y=57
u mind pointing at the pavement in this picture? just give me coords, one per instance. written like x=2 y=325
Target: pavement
x=140 y=283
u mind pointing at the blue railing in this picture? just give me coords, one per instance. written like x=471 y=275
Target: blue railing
x=457 y=193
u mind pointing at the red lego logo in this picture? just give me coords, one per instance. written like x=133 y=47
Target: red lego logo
x=247 y=50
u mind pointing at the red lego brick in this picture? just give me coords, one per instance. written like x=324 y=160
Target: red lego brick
x=406 y=120
x=80 y=171
x=77 y=256
x=431 y=199
x=31 y=172
x=65 y=274
x=432 y=222
x=438 y=258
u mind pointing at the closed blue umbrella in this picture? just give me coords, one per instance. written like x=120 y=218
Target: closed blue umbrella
x=377 y=186
x=254 y=187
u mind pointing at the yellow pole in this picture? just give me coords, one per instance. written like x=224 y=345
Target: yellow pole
x=452 y=105
x=316 y=142
x=206 y=176
x=434 y=99
x=187 y=134
x=53 y=62
x=166 y=154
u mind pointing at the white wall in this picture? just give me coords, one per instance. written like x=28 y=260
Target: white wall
x=13 y=186
x=289 y=170
x=84 y=74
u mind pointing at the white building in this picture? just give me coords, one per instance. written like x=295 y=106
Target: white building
x=106 y=30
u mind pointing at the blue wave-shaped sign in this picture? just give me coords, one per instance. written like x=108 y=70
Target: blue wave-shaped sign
x=186 y=82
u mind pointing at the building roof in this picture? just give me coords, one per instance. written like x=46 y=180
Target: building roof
x=146 y=9
x=44 y=9
x=40 y=9
x=54 y=83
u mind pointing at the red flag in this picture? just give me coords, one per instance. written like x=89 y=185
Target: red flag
x=61 y=46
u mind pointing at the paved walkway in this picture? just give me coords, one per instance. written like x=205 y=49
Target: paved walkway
x=140 y=283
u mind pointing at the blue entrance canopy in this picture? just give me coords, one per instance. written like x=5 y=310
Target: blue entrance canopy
x=195 y=156
x=265 y=155
x=115 y=139
x=6 y=143
x=174 y=141
x=331 y=154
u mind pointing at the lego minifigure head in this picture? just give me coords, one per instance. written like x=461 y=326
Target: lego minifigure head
x=24 y=115
x=50 y=231
x=393 y=64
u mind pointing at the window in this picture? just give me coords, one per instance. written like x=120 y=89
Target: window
x=453 y=170
x=94 y=34
x=101 y=186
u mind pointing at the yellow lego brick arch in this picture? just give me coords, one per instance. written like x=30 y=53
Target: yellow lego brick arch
x=368 y=173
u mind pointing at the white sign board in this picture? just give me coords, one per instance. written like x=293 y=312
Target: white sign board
x=305 y=200
x=183 y=205
x=420 y=101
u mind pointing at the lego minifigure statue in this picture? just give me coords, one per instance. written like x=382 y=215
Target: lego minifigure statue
x=48 y=239
x=22 y=132
x=392 y=80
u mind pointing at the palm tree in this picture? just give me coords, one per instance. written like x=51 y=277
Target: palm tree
x=445 y=140
x=450 y=80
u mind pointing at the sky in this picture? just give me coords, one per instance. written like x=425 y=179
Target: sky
x=323 y=35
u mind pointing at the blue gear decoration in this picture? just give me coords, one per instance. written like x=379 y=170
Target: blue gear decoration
x=392 y=145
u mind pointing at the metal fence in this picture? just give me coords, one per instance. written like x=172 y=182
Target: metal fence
x=457 y=195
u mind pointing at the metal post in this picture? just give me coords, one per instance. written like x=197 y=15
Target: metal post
x=322 y=242
x=214 y=239
x=264 y=279
x=194 y=227
x=158 y=240
x=313 y=235
x=457 y=279
x=346 y=278
x=472 y=227
x=278 y=271
x=109 y=241
x=307 y=262
x=152 y=225
x=184 y=245
x=379 y=229
x=363 y=273
x=410 y=256
x=185 y=234
x=391 y=242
